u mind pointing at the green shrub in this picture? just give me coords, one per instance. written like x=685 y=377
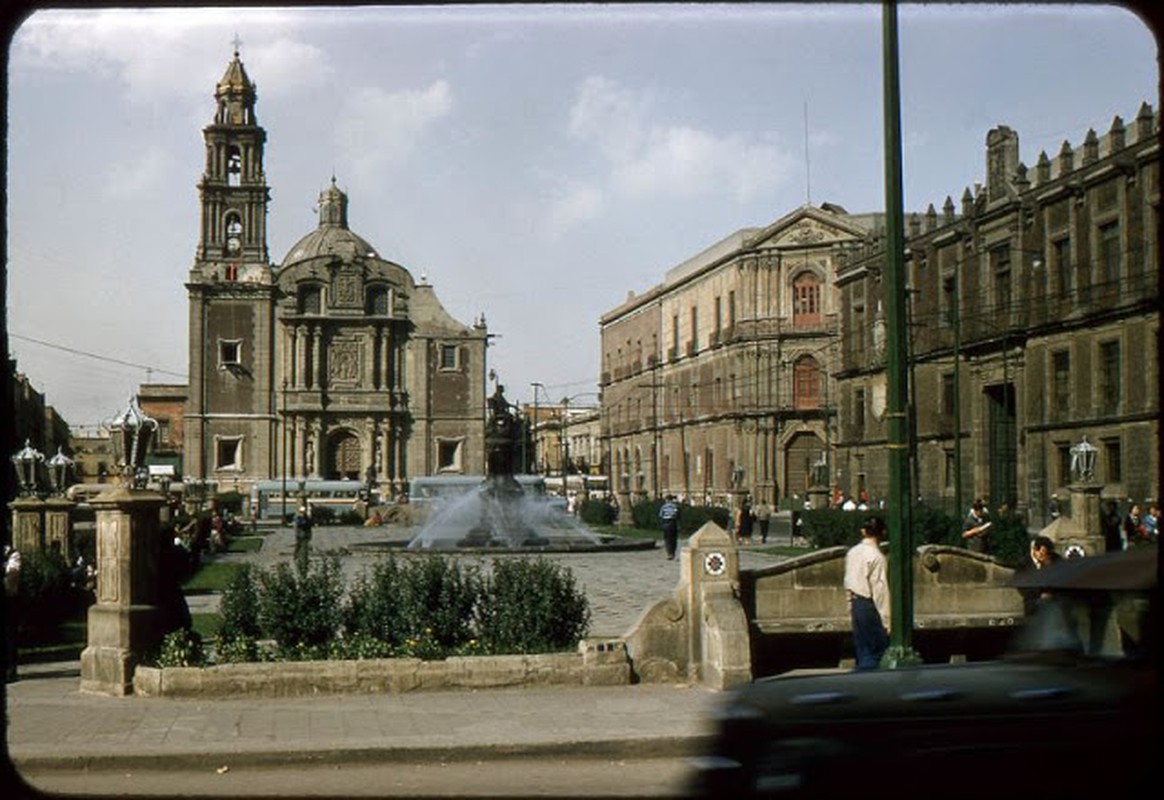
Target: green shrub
x=437 y=598
x=531 y=606
x=1008 y=539
x=181 y=648
x=831 y=527
x=46 y=596
x=597 y=512
x=374 y=609
x=301 y=608
x=239 y=607
x=350 y=517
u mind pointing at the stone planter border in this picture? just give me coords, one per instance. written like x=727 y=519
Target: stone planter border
x=597 y=663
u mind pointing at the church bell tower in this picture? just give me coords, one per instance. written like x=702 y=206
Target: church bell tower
x=230 y=420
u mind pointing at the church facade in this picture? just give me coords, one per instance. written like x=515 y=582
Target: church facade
x=334 y=363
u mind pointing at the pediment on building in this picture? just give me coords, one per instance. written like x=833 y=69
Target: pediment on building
x=808 y=226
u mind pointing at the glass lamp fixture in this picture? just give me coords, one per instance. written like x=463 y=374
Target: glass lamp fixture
x=132 y=432
x=25 y=460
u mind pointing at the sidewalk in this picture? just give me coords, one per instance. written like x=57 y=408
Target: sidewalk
x=53 y=726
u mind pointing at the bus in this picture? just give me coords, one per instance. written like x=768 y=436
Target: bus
x=268 y=502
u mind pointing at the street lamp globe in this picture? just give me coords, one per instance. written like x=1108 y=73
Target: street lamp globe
x=59 y=466
x=131 y=433
x=25 y=460
x=1083 y=461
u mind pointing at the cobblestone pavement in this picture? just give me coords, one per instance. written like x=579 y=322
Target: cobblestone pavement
x=619 y=585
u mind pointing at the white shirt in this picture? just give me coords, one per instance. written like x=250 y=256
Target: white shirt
x=865 y=574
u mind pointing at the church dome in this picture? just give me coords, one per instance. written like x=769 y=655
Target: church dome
x=332 y=237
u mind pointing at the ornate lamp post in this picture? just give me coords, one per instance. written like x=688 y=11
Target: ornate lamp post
x=28 y=509
x=57 y=509
x=59 y=466
x=126 y=621
x=132 y=432
x=1083 y=461
x=26 y=460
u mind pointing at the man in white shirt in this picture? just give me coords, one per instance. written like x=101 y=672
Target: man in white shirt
x=868 y=589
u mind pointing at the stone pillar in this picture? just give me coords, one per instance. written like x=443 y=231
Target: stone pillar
x=58 y=526
x=126 y=620
x=1086 y=533
x=719 y=642
x=818 y=497
x=27 y=524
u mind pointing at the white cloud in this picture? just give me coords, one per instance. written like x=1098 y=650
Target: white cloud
x=656 y=159
x=378 y=129
x=161 y=53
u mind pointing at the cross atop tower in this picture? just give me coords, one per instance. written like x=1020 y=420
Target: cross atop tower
x=237 y=42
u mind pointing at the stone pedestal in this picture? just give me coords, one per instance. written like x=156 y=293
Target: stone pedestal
x=1080 y=533
x=818 y=497
x=126 y=620
x=719 y=641
x=58 y=526
x=27 y=524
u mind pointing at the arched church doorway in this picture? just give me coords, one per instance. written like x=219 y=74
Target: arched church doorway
x=343 y=456
x=802 y=451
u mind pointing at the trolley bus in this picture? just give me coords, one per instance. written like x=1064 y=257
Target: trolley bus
x=268 y=500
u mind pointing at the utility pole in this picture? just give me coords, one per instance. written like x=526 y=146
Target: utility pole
x=900 y=650
x=534 y=429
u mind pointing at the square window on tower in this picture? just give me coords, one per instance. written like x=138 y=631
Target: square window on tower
x=229 y=353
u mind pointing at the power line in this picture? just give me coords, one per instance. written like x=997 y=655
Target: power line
x=108 y=359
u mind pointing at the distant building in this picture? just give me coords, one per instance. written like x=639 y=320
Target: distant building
x=1038 y=296
x=758 y=366
x=334 y=362
x=165 y=403
x=720 y=381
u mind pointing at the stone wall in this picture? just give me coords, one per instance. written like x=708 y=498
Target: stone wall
x=597 y=663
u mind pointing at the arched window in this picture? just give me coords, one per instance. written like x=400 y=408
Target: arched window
x=233 y=167
x=806 y=383
x=806 y=300
x=378 y=301
x=310 y=299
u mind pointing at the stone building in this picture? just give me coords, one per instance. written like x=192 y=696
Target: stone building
x=333 y=363
x=1035 y=310
x=721 y=380
x=166 y=404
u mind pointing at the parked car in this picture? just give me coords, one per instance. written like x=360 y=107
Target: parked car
x=1071 y=712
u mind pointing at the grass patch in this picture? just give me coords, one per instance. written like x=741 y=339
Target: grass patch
x=206 y=625
x=245 y=544
x=212 y=577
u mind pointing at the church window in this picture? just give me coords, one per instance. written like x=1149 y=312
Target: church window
x=228 y=453
x=806 y=383
x=229 y=352
x=378 y=301
x=234 y=167
x=449 y=455
x=806 y=300
x=450 y=357
x=310 y=299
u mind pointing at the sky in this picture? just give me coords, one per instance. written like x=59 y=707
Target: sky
x=534 y=163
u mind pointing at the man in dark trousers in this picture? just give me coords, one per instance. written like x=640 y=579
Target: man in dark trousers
x=669 y=522
x=867 y=585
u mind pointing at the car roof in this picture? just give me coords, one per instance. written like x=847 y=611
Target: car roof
x=1135 y=569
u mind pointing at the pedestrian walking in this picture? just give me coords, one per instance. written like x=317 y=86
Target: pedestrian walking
x=975 y=527
x=302 y=534
x=763 y=514
x=11 y=607
x=867 y=585
x=669 y=522
x=744 y=520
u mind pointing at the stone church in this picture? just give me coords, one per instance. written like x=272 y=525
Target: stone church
x=334 y=363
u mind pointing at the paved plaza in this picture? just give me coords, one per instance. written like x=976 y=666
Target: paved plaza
x=619 y=585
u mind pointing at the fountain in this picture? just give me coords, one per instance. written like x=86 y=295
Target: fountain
x=500 y=514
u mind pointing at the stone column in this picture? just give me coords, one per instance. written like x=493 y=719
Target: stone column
x=625 y=517
x=27 y=524
x=719 y=642
x=126 y=620
x=58 y=526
